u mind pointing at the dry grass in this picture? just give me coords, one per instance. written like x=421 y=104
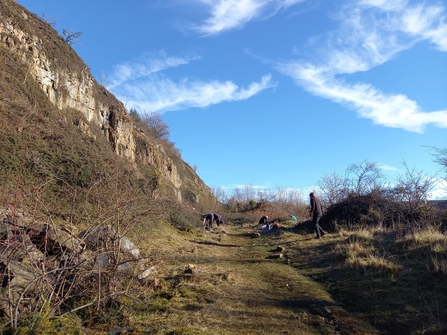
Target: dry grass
x=432 y=242
x=428 y=236
x=237 y=288
x=361 y=252
x=369 y=259
x=366 y=281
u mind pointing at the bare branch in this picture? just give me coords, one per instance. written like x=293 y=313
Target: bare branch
x=71 y=37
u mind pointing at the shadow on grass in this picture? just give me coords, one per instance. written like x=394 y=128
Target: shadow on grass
x=217 y=244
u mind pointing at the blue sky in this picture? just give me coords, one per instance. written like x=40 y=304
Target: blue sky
x=274 y=93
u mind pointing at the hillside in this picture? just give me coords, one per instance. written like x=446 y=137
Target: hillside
x=73 y=163
x=46 y=87
x=101 y=232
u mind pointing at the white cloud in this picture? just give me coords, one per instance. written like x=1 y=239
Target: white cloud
x=387 y=5
x=391 y=110
x=386 y=167
x=157 y=94
x=144 y=87
x=371 y=34
x=248 y=186
x=439 y=190
x=230 y=14
x=151 y=64
x=428 y=23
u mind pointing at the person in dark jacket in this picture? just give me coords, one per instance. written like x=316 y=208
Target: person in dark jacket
x=218 y=219
x=208 y=221
x=264 y=220
x=316 y=212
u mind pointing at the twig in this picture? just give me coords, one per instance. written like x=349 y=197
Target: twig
x=91 y=303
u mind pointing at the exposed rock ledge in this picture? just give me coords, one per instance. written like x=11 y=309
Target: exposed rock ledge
x=68 y=83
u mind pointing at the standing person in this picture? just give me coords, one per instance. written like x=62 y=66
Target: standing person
x=208 y=221
x=316 y=212
x=218 y=219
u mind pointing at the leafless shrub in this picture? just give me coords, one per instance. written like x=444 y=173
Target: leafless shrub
x=50 y=20
x=45 y=271
x=71 y=37
x=364 y=177
x=155 y=125
x=220 y=194
x=413 y=188
x=334 y=188
x=279 y=202
x=104 y=82
x=60 y=275
x=440 y=157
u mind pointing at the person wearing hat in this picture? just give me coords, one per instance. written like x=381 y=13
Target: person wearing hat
x=316 y=212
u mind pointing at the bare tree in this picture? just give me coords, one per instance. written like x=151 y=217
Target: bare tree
x=440 y=156
x=413 y=187
x=156 y=126
x=220 y=194
x=287 y=199
x=264 y=195
x=50 y=20
x=104 y=81
x=280 y=194
x=334 y=188
x=248 y=194
x=71 y=37
x=366 y=176
x=237 y=194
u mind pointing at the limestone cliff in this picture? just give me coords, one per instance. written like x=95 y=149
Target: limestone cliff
x=68 y=83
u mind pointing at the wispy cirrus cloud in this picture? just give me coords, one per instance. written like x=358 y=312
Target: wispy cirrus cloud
x=373 y=32
x=427 y=23
x=148 y=65
x=386 y=167
x=232 y=14
x=162 y=94
x=146 y=88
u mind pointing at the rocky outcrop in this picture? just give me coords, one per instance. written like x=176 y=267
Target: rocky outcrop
x=154 y=154
x=67 y=87
x=43 y=262
x=68 y=83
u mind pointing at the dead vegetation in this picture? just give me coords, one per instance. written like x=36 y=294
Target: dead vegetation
x=380 y=270
x=347 y=283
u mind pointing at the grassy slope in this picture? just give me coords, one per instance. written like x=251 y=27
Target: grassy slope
x=346 y=283
x=237 y=288
x=364 y=282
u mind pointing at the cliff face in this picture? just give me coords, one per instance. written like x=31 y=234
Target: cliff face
x=68 y=83
x=66 y=87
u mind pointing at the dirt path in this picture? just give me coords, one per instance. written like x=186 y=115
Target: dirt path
x=248 y=291
x=239 y=287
